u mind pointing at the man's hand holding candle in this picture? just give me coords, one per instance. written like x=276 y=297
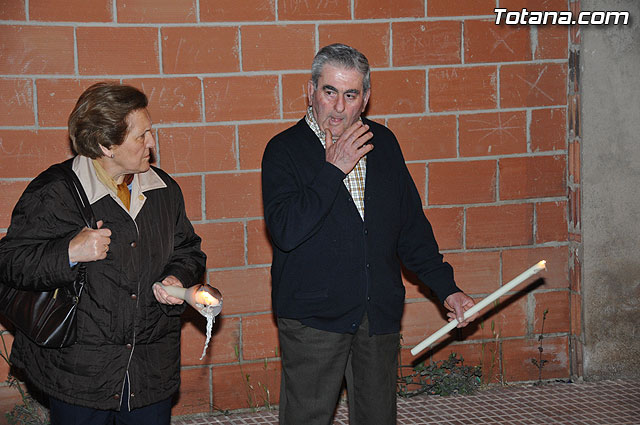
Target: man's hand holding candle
x=457 y=303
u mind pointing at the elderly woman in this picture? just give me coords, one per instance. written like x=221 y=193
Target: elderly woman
x=125 y=365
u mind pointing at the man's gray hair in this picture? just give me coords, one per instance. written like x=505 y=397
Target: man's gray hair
x=341 y=55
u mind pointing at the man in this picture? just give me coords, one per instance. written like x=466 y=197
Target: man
x=343 y=214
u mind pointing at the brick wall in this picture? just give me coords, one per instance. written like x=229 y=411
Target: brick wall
x=480 y=112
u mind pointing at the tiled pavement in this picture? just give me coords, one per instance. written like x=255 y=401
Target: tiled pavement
x=593 y=403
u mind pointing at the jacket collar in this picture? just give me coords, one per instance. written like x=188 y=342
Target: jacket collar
x=96 y=190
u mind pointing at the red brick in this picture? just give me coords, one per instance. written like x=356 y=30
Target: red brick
x=225 y=335
x=470 y=353
x=533 y=177
x=277 y=47
x=16 y=102
x=426 y=137
x=12 y=10
x=551 y=222
x=421 y=319
x=548 y=5
x=223 y=243
x=575 y=215
x=372 y=39
x=152 y=11
x=558 y=312
x=574 y=162
x=375 y=9
x=189 y=50
x=191 y=187
x=533 y=85
x=252 y=140
x=452 y=89
x=26 y=153
x=294 y=95
x=7 y=341
x=236 y=195
x=466 y=182
x=259 y=337
x=476 y=272
x=57 y=98
x=448 y=224
x=460 y=7
x=516 y=261
x=172 y=99
x=397 y=92
x=575 y=272
x=36 y=50
x=502 y=225
x=244 y=291
x=552 y=42
x=109 y=50
x=197 y=149
x=576 y=314
x=419 y=175
x=70 y=10
x=484 y=41
x=574 y=30
x=246 y=386
x=295 y=10
x=258 y=97
x=548 y=129
x=194 y=392
x=259 y=250
x=517 y=355
x=499 y=133
x=574 y=115
x=426 y=43
x=237 y=10
x=10 y=192
x=506 y=318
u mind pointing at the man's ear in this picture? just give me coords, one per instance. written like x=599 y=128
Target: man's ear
x=366 y=100
x=310 y=91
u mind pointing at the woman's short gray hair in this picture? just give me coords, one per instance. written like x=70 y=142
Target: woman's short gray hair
x=100 y=117
x=343 y=56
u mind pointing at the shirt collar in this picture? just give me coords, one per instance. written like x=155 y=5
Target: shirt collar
x=96 y=190
x=313 y=124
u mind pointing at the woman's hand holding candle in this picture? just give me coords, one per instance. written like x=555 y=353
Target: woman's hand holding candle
x=204 y=298
x=171 y=292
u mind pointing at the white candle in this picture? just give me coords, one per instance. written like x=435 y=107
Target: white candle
x=175 y=291
x=479 y=306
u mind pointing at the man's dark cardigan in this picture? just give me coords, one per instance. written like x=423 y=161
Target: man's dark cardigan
x=330 y=267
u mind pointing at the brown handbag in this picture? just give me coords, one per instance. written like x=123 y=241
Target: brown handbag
x=48 y=318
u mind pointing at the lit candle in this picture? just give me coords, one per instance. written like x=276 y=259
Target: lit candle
x=479 y=306
x=204 y=298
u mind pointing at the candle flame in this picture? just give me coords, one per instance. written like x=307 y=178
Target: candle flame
x=543 y=264
x=205 y=298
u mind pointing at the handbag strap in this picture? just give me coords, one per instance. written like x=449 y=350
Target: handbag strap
x=79 y=195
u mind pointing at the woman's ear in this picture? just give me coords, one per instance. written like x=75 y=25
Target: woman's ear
x=106 y=152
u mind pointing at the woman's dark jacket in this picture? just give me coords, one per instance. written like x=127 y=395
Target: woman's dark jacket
x=330 y=266
x=122 y=329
